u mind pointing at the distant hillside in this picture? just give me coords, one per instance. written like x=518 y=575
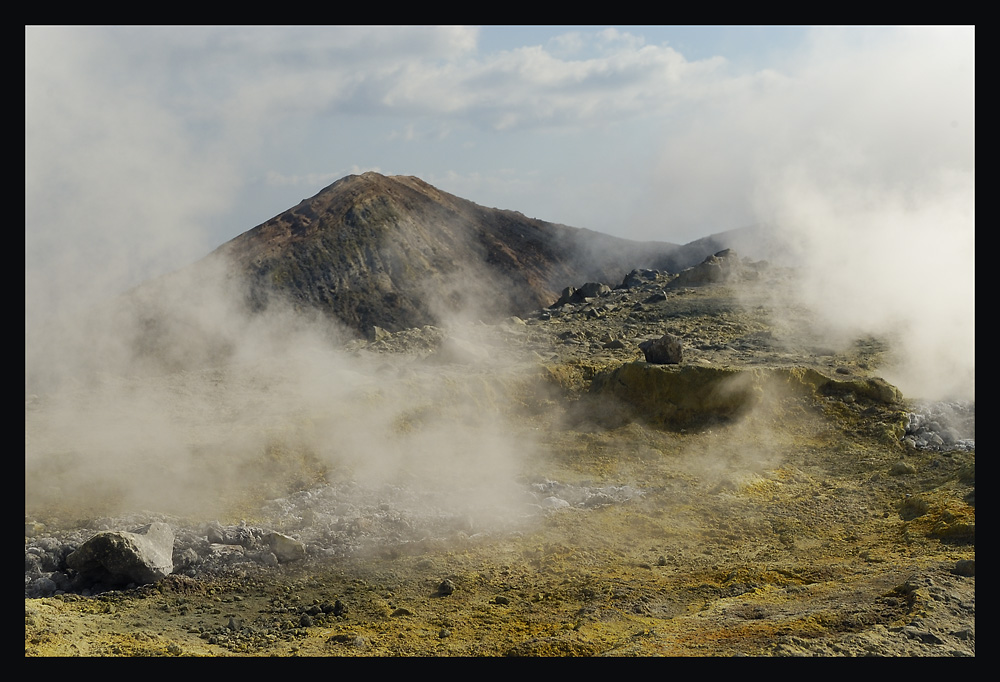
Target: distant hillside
x=396 y=252
x=367 y=251
x=370 y=250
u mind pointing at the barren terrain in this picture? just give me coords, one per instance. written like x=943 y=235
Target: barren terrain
x=799 y=522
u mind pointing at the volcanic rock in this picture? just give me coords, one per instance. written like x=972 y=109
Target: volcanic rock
x=637 y=277
x=665 y=350
x=285 y=548
x=716 y=268
x=141 y=556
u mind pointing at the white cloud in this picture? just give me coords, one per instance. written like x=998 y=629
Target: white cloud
x=531 y=86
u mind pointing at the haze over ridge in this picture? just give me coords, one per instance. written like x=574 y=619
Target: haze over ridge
x=857 y=143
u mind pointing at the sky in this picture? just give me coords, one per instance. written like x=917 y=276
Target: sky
x=146 y=148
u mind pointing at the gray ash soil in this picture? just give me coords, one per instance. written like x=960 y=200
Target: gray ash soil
x=815 y=524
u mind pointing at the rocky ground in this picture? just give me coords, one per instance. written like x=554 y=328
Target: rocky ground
x=539 y=500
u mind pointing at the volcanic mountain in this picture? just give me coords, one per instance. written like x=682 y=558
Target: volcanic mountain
x=396 y=252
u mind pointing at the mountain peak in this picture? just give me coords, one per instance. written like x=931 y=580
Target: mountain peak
x=396 y=252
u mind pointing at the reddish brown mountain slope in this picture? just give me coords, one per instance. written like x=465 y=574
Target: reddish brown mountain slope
x=397 y=252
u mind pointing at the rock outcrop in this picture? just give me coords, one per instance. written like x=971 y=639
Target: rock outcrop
x=666 y=350
x=716 y=268
x=141 y=556
x=673 y=396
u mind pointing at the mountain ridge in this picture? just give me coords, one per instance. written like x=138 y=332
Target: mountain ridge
x=396 y=252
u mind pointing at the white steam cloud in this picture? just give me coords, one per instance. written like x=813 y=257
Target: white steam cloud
x=875 y=193
x=185 y=404
x=858 y=151
x=140 y=144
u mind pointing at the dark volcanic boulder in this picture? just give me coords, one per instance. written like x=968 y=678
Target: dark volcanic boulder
x=581 y=295
x=120 y=557
x=593 y=289
x=638 y=277
x=665 y=350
